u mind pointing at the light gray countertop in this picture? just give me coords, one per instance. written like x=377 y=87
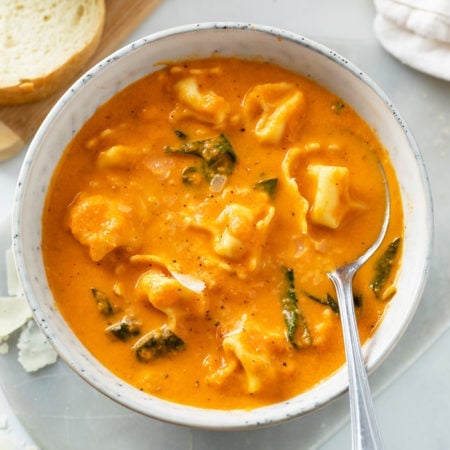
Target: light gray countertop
x=57 y=411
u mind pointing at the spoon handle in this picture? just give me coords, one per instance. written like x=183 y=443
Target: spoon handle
x=364 y=426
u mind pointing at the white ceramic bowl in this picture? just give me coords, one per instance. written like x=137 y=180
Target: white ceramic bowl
x=138 y=59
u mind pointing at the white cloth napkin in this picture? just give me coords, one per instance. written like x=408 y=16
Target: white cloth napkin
x=417 y=32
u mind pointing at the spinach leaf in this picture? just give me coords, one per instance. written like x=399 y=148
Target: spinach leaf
x=217 y=156
x=104 y=304
x=268 y=185
x=157 y=343
x=384 y=266
x=293 y=316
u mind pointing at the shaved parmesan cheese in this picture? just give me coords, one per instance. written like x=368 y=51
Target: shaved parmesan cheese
x=13 y=283
x=14 y=312
x=188 y=281
x=35 y=352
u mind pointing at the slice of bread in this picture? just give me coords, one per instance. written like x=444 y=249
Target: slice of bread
x=44 y=44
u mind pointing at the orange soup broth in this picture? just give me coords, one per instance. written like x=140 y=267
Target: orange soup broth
x=141 y=116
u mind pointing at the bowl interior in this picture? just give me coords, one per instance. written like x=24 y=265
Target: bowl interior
x=249 y=41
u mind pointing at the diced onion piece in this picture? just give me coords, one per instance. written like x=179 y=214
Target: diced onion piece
x=189 y=282
x=217 y=183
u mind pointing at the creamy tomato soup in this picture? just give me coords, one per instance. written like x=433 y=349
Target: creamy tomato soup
x=191 y=222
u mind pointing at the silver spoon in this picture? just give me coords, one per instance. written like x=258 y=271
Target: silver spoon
x=364 y=426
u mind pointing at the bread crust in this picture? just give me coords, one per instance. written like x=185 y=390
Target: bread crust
x=34 y=89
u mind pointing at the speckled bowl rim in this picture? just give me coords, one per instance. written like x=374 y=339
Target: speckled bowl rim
x=28 y=257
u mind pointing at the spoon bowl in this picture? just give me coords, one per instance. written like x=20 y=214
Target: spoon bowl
x=365 y=430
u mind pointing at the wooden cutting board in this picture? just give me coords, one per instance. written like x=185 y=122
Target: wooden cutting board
x=18 y=123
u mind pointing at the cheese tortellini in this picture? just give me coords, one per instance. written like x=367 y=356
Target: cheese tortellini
x=259 y=352
x=173 y=298
x=242 y=231
x=104 y=224
x=332 y=199
x=273 y=107
x=205 y=106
